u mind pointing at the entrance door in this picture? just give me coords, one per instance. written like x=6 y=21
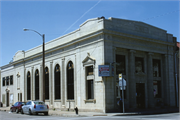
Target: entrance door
x=140 y=95
x=7 y=99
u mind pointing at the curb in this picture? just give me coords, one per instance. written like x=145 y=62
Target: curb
x=72 y=114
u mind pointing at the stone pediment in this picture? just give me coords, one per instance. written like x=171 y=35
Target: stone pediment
x=19 y=55
x=88 y=60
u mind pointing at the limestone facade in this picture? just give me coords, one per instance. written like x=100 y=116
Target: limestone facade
x=147 y=65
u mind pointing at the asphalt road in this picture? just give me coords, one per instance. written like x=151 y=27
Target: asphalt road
x=14 y=116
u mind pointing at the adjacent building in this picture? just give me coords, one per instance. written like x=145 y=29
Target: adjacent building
x=143 y=53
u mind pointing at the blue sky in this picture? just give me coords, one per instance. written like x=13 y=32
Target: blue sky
x=59 y=17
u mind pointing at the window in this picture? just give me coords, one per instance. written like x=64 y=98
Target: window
x=39 y=103
x=46 y=83
x=11 y=80
x=121 y=66
x=89 y=82
x=156 y=68
x=139 y=65
x=28 y=103
x=157 y=89
x=89 y=70
x=57 y=82
x=7 y=80
x=70 y=80
x=90 y=89
x=3 y=98
x=16 y=104
x=20 y=95
x=4 y=81
x=37 y=85
x=28 y=86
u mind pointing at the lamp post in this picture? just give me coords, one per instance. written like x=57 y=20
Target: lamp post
x=42 y=35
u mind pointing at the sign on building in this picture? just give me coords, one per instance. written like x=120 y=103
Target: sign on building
x=106 y=70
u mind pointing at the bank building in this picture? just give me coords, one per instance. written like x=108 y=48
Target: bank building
x=142 y=53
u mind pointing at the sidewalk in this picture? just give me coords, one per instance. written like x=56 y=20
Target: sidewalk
x=90 y=114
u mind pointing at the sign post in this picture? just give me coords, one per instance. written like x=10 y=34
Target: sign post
x=121 y=79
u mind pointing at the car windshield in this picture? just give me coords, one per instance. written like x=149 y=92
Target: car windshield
x=22 y=103
x=39 y=103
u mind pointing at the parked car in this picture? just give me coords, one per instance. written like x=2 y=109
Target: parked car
x=35 y=107
x=17 y=107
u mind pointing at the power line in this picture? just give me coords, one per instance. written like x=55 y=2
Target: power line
x=82 y=16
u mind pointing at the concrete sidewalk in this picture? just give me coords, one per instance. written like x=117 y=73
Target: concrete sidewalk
x=90 y=114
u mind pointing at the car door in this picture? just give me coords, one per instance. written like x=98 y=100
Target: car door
x=25 y=107
x=28 y=106
x=14 y=107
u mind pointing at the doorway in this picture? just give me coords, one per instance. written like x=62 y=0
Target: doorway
x=140 y=95
x=7 y=99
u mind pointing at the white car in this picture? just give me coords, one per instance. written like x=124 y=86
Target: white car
x=35 y=107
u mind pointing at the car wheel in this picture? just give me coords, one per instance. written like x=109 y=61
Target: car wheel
x=11 y=110
x=17 y=110
x=30 y=113
x=22 y=111
x=46 y=113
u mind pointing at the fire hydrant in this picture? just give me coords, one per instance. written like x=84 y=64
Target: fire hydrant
x=76 y=109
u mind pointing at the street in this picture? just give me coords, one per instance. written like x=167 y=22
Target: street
x=14 y=116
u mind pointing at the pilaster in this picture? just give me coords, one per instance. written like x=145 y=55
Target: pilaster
x=41 y=83
x=171 y=80
x=63 y=83
x=32 y=83
x=166 y=81
x=132 y=82
x=51 y=83
x=150 y=81
x=25 y=85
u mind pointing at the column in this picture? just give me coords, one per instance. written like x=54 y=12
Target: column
x=150 y=81
x=132 y=82
x=63 y=83
x=32 y=83
x=51 y=83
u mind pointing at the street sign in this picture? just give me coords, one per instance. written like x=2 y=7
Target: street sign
x=124 y=82
x=120 y=76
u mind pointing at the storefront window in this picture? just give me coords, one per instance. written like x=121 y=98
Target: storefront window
x=156 y=68
x=120 y=66
x=157 y=89
x=139 y=65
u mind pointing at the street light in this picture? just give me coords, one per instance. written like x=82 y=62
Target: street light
x=42 y=35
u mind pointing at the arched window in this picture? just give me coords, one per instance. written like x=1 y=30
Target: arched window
x=28 y=86
x=37 y=85
x=46 y=83
x=57 y=82
x=70 y=80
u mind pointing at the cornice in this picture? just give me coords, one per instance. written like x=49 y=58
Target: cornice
x=137 y=37
x=99 y=32
x=6 y=66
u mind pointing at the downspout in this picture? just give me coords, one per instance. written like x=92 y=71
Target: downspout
x=177 y=102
